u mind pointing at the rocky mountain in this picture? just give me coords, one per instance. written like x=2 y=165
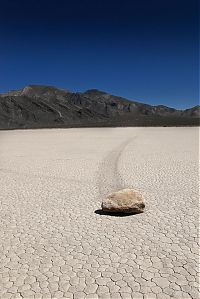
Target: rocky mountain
x=38 y=106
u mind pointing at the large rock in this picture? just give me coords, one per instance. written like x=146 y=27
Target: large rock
x=124 y=201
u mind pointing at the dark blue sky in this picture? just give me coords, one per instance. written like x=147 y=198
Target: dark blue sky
x=143 y=49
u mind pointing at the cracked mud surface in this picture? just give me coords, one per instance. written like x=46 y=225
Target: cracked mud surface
x=54 y=245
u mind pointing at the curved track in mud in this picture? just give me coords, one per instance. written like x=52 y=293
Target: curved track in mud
x=108 y=175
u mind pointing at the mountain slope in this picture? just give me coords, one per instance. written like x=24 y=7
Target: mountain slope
x=38 y=106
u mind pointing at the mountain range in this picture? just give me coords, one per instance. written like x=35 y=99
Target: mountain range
x=37 y=106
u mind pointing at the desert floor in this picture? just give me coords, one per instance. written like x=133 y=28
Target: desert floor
x=54 y=241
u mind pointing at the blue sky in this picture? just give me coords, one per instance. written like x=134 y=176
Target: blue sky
x=144 y=49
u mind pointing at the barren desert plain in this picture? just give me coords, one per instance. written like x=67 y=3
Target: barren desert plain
x=56 y=242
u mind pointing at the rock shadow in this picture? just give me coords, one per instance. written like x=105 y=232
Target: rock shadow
x=103 y=213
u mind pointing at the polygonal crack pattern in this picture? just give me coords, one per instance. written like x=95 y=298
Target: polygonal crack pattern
x=53 y=245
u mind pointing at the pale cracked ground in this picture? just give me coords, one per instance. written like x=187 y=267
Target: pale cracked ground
x=54 y=245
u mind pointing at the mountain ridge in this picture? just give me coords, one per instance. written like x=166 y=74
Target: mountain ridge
x=41 y=106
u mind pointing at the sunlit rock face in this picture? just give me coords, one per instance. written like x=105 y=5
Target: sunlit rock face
x=128 y=201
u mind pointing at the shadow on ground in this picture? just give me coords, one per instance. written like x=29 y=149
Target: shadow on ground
x=101 y=212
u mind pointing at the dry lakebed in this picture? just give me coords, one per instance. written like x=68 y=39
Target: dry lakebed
x=57 y=243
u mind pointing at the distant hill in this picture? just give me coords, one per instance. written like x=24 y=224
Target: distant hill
x=38 y=106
